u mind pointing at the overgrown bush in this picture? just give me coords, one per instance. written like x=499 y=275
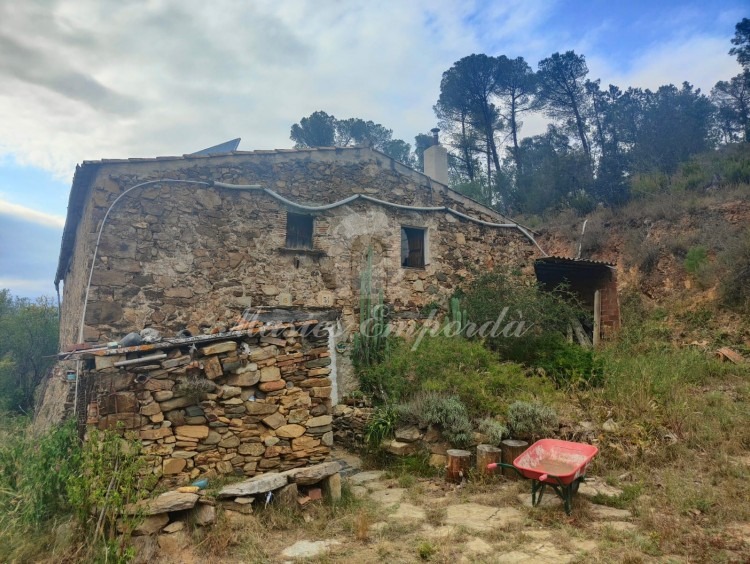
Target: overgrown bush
x=453 y=366
x=111 y=479
x=649 y=256
x=567 y=364
x=531 y=420
x=547 y=317
x=594 y=238
x=35 y=471
x=444 y=411
x=494 y=430
x=528 y=313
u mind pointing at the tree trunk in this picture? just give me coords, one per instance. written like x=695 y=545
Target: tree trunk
x=467 y=153
x=581 y=131
x=514 y=133
x=511 y=450
x=487 y=454
x=458 y=465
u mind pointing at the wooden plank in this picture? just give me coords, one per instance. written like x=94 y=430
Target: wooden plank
x=597 y=317
x=183 y=341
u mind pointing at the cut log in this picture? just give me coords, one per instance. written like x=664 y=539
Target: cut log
x=511 y=450
x=458 y=465
x=580 y=333
x=487 y=454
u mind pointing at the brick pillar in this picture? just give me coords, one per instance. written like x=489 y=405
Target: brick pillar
x=610 y=310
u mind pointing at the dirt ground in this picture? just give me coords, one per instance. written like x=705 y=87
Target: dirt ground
x=388 y=517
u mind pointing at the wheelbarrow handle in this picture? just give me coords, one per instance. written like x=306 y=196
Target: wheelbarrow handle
x=495 y=465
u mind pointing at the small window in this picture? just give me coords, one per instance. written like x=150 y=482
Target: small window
x=412 y=247
x=299 y=231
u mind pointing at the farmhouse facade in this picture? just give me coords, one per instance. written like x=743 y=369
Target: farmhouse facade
x=185 y=255
x=186 y=245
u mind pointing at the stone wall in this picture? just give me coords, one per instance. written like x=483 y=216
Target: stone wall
x=184 y=256
x=254 y=403
x=349 y=426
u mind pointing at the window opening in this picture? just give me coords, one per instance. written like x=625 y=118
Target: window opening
x=299 y=231
x=412 y=247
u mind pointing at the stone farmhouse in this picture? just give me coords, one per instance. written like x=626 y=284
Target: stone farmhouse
x=185 y=245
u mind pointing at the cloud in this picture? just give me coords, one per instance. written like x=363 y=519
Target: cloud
x=28 y=255
x=88 y=79
x=92 y=79
x=31 y=215
x=701 y=60
x=34 y=67
x=27 y=287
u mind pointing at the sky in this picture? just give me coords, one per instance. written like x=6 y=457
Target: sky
x=91 y=79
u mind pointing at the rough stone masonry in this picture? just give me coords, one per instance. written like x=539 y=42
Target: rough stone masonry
x=242 y=406
x=175 y=256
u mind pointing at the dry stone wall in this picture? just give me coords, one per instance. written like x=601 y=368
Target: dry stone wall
x=184 y=256
x=241 y=406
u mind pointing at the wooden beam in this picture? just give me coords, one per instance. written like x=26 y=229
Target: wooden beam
x=597 y=317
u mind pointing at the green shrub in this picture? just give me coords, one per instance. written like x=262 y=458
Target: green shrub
x=546 y=316
x=35 y=471
x=426 y=550
x=566 y=363
x=444 y=411
x=647 y=184
x=112 y=476
x=494 y=430
x=531 y=420
x=453 y=366
x=381 y=426
x=695 y=259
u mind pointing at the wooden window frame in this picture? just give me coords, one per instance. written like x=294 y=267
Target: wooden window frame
x=300 y=230
x=416 y=247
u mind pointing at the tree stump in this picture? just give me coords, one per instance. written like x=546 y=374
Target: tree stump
x=511 y=450
x=458 y=465
x=487 y=454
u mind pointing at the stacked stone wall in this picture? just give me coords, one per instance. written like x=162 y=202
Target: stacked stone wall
x=243 y=406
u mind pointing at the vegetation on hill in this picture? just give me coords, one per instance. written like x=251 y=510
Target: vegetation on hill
x=28 y=344
x=604 y=145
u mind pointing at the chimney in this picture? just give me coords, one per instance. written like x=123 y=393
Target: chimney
x=436 y=160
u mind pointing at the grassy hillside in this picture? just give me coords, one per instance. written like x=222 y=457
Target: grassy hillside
x=682 y=247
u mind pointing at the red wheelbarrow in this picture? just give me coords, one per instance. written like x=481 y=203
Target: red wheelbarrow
x=561 y=465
